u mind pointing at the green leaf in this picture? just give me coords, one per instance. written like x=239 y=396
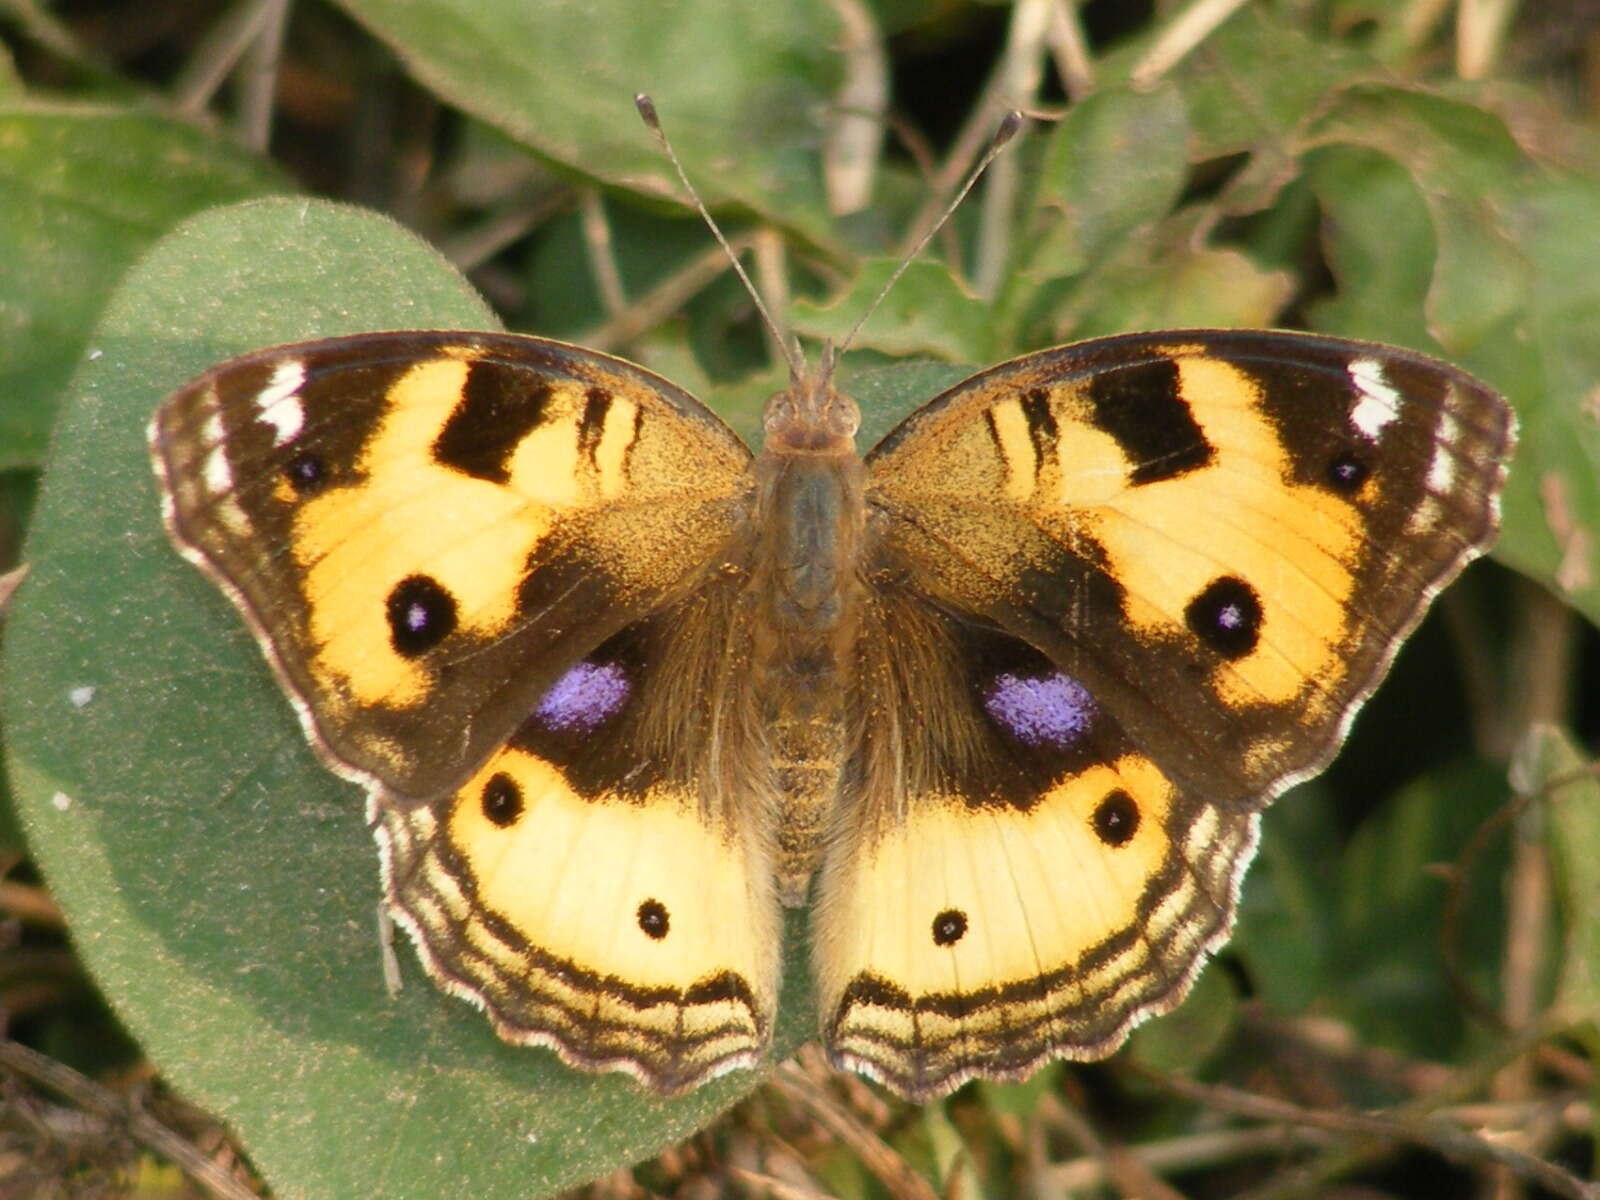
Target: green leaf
x=1392 y=903
x=890 y=393
x=1444 y=237
x=1465 y=163
x=742 y=89
x=83 y=192
x=221 y=885
x=1549 y=367
x=927 y=312
x=1378 y=239
x=1115 y=164
x=1185 y=287
x=1286 y=931
x=1550 y=761
x=1247 y=89
x=1183 y=1038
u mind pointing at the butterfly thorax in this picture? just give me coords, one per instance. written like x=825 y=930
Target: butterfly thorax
x=809 y=511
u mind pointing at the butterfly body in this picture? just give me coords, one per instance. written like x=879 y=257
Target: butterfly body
x=1003 y=699
x=806 y=589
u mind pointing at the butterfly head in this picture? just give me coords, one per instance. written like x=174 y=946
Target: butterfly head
x=810 y=415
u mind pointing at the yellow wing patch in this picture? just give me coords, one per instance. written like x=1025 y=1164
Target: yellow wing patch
x=985 y=940
x=629 y=934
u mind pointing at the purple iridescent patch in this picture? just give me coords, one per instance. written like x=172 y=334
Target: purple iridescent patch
x=585 y=698
x=1049 y=710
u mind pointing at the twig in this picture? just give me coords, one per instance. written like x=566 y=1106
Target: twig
x=10 y=581
x=855 y=144
x=773 y=276
x=1480 y=34
x=1191 y=1152
x=1182 y=34
x=144 y=1129
x=56 y=36
x=875 y=1154
x=1010 y=87
x=602 y=255
x=1070 y=48
x=762 y=1184
x=218 y=53
x=258 y=77
x=1129 y=1170
x=1022 y=72
x=666 y=298
x=1542 y=664
x=1431 y=1133
x=476 y=244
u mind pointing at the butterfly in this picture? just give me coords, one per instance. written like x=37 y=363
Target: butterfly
x=1002 y=700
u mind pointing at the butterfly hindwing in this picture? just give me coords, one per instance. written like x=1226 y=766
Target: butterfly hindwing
x=1041 y=884
x=586 y=887
x=425 y=529
x=1149 y=580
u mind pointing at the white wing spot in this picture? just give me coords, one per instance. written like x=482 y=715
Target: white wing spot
x=1203 y=832
x=1442 y=468
x=62 y=801
x=276 y=404
x=1379 y=404
x=1426 y=517
x=81 y=695
x=218 y=474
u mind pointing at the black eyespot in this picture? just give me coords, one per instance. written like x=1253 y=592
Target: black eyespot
x=653 y=919
x=1226 y=616
x=1116 y=818
x=1347 y=471
x=421 y=615
x=305 y=473
x=949 y=927
x=502 y=800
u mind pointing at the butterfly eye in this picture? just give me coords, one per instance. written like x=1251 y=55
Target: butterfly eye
x=1226 y=616
x=502 y=801
x=653 y=919
x=421 y=615
x=949 y=927
x=1116 y=818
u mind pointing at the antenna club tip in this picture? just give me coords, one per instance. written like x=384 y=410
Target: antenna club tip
x=1009 y=124
x=647 y=110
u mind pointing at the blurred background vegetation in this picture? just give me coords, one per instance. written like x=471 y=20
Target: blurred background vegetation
x=188 y=970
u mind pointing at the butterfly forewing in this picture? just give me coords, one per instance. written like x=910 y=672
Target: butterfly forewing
x=425 y=530
x=1224 y=534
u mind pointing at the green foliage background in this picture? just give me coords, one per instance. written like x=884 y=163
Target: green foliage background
x=1302 y=165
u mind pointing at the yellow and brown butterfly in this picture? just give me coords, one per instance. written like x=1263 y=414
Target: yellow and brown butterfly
x=1002 y=700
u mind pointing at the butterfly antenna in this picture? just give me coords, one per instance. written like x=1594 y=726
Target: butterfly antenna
x=647 y=111
x=1009 y=124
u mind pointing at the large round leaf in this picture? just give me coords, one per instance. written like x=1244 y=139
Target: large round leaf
x=221 y=885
